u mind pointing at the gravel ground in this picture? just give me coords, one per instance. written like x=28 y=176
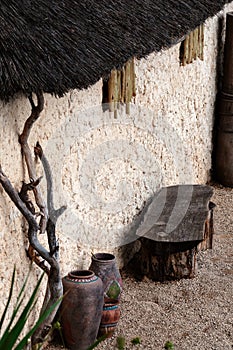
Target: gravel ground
x=193 y=314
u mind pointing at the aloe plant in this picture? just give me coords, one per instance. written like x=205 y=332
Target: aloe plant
x=99 y=340
x=10 y=337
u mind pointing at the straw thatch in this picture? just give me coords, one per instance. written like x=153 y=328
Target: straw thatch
x=55 y=46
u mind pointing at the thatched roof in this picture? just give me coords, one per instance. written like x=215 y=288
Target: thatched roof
x=56 y=46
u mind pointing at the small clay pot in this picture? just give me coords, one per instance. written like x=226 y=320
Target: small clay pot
x=111 y=313
x=110 y=318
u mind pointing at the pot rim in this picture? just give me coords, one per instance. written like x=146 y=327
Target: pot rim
x=84 y=274
x=103 y=257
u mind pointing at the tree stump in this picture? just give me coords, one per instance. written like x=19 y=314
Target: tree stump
x=177 y=224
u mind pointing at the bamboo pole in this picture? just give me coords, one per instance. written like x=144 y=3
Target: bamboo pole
x=190 y=48
x=201 y=56
x=195 y=44
x=128 y=86
x=185 y=54
x=123 y=85
x=111 y=90
x=133 y=78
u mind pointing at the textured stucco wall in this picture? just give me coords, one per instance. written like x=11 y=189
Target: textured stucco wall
x=105 y=168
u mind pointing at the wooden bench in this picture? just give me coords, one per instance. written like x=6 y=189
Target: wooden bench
x=176 y=225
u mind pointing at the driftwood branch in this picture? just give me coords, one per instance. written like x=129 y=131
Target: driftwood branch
x=35 y=257
x=23 y=140
x=32 y=223
x=26 y=207
x=33 y=185
x=53 y=214
x=54 y=279
x=24 y=196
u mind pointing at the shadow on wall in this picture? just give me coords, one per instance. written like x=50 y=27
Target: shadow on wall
x=219 y=78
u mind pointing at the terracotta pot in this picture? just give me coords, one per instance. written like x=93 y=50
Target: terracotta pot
x=81 y=308
x=111 y=313
x=104 y=265
x=110 y=318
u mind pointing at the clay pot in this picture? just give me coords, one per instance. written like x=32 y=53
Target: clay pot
x=81 y=308
x=110 y=318
x=111 y=313
x=104 y=265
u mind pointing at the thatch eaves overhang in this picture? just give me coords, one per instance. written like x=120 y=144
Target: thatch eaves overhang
x=55 y=46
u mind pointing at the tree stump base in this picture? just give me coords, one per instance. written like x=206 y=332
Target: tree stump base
x=177 y=258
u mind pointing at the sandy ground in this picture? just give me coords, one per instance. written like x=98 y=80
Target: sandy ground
x=193 y=314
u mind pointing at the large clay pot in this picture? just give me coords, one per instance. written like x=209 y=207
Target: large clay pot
x=81 y=308
x=104 y=265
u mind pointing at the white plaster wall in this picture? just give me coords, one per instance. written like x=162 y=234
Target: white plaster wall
x=13 y=229
x=106 y=168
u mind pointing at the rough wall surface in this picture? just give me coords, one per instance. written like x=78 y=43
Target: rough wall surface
x=105 y=168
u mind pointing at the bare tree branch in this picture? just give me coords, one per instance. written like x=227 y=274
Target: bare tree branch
x=23 y=140
x=54 y=280
x=33 y=225
x=24 y=194
x=35 y=257
x=26 y=207
x=53 y=214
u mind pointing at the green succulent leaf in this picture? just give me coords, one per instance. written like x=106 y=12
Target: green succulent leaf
x=9 y=299
x=99 y=340
x=11 y=333
x=38 y=323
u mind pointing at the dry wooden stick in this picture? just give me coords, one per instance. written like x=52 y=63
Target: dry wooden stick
x=54 y=286
x=111 y=89
x=23 y=194
x=123 y=84
x=202 y=42
x=23 y=140
x=186 y=50
x=53 y=214
x=54 y=279
x=33 y=229
x=32 y=223
x=35 y=257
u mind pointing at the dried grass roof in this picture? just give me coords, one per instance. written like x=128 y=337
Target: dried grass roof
x=56 y=46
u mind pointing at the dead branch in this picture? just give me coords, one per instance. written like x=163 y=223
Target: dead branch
x=23 y=203
x=35 y=257
x=33 y=225
x=53 y=214
x=23 y=140
x=54 y=280
x=23 y=194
